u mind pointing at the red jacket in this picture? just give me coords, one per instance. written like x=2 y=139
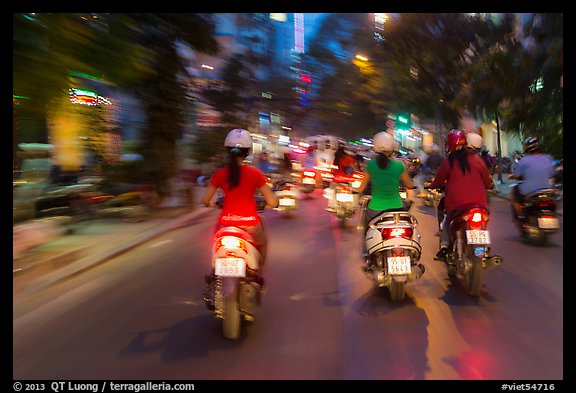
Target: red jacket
x=463 y=190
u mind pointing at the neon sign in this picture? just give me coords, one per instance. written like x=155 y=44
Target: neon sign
x=87 y=97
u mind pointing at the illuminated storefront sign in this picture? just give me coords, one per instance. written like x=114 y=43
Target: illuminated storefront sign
x=87 y=97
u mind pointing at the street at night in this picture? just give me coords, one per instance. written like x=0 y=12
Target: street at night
x=221 y=197
x=141 y=315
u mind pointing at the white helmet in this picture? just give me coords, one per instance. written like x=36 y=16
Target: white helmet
x=383 y=142
x=238 y=138
x=474 y=140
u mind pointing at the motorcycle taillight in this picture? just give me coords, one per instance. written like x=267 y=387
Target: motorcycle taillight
x=547 y=204
x=231 y=242
x=404 y=232
x=477 y=218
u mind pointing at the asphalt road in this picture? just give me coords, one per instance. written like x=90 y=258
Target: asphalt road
x=141 y=316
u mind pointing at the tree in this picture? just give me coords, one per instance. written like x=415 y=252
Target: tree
x=138 y=52
x=537 y=109
x=492 y=78
x=426 y=55
x=351 y=96
x=163 y=91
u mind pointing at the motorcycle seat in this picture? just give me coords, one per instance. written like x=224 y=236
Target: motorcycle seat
x=393 y=216
x=236 y=232
x=543 y=193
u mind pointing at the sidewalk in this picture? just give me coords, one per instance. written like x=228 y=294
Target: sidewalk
x=97 y=242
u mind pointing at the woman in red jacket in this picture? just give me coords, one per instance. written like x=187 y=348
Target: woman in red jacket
x=465 y=179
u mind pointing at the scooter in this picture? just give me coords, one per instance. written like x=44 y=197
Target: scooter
x=308 y=181
x=537 y=218
x=468 y=254
x=233 y=290
x=393 y=250
x=287 y=194
x=431 y=196
x=346 y=198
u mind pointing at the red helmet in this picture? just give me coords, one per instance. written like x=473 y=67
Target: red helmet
x=455 y=140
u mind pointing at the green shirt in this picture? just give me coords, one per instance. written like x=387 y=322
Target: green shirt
x=385 y=184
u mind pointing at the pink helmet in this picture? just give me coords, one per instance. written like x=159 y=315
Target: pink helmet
x=455 y=140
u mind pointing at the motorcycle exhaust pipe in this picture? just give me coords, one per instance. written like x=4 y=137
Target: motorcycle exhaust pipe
x=417 y=272
x=493 y=261
x=249 y=297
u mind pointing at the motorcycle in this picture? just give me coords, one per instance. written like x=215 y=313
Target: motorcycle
x=558 y=177
x=346 y=196
x=309 y=179
x=537 y=218
x=234 y=289
x=413 y=166
x=393 y=250
x=431 y=196
x=287 y=194
x=468 y=254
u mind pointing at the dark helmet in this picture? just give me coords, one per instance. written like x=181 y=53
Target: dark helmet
x=531 y=144
x=455 y=140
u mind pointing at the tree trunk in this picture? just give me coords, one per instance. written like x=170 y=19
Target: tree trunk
x=499 y=150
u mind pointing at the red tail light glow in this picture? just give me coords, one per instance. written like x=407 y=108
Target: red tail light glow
x=231 y=242
x=404 y=232
x=546 y=204
x=476 y=218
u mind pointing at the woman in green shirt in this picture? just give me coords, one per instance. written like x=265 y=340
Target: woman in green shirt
x=385 y=174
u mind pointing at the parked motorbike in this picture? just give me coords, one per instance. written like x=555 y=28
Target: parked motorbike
x=233 y=290
x=393 y=247
x=537 y=218
x=130 y=202
x=469 y=248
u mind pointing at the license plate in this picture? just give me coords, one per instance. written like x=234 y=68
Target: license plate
x=344 y=197
x=287 y=202
x=308 y=180
x=548 y=222
x=230 y=267
x=399 y=265
x=477 y=237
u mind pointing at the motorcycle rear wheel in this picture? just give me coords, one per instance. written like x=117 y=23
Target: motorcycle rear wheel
x=397 y=290
x=473 y=276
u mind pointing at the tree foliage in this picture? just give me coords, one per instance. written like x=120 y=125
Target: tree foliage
x=138 y=52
